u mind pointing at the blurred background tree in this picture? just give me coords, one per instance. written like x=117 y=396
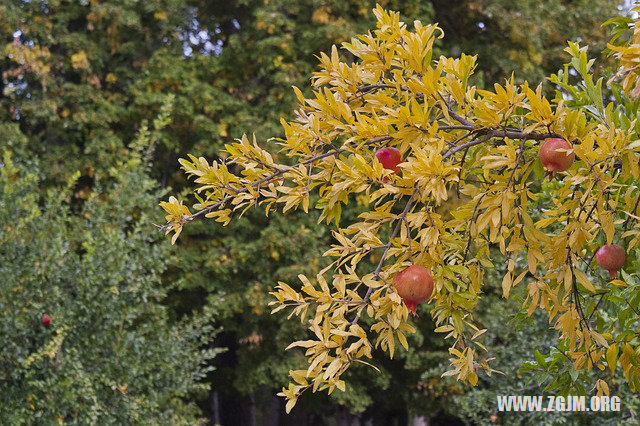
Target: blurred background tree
x=86 y=338
x=78 y=78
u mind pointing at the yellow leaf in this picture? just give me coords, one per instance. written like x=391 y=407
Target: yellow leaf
x=531 y=262
x=506 y=285
x=79 y=60
x=176 y=235
x=302 y=344
x=602 y=387
x=299 y=376
x=290 y=404
x=403 y=340
x=606 y=220
x=598 y=338
x=584 y=280
x=612 y=357
x=478 y=333
x=473 y=379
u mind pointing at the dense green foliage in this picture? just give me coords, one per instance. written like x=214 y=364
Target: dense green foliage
x=111 y=354
x=78 y=79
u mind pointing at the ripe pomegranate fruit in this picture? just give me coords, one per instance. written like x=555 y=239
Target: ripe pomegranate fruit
x=553 y=159
x=414 y=285
x=611 y=257
x=390 y=158
x=46 y=320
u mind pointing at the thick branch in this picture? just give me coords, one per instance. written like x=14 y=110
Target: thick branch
x=511 y=134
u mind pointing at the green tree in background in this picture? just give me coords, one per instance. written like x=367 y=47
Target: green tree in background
x=79 y=76
x=525 y=36
x=111 y=353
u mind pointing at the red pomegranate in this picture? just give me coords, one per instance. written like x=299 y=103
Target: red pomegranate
x=46 y=320
x=414 y=285
x=552 y=158
x=611 y=257
x=389 y=158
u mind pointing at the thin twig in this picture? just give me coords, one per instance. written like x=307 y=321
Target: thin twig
x=410 y=242
x=595 y=308
x=632 y=212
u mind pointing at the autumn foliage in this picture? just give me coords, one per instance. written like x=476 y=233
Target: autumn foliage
x=481 y=148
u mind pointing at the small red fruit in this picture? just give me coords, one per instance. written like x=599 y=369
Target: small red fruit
x=46 y=320
x=611 y=257
x=414 y=285
x=389 y=158
x=552 y=158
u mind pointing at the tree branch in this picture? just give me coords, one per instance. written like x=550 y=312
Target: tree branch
x=467 y=125
x=511 y=134
x=632 y=212
x=268 y=178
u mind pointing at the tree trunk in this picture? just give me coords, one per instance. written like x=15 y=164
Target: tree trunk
x=345 y=418
x=419 y=421
x=215 y=408
x=272 y=411
x=252 y=409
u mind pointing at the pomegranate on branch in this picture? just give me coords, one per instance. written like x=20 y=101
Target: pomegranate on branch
x=556 y=155
x=46 y=320
x=611 y=257
x=389 y=157
x=414 y=285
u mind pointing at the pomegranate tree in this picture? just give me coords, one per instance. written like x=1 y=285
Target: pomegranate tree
x=414 y=285
x=611 y=257
x=454 y=138
x=554 y=156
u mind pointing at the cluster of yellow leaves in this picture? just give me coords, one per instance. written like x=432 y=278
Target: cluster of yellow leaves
x=79 y=60
x=30 y=58
x=478 y=144
x=628 y=56
x=177 y=212
x=50 y=350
